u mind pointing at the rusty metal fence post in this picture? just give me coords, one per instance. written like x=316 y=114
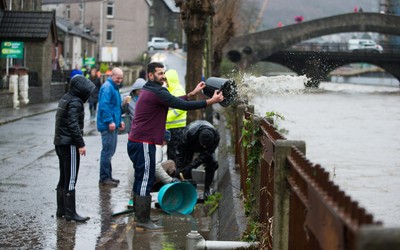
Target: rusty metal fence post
x=282 y=193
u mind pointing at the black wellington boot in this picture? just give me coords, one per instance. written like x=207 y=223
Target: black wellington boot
x=60 y=202
x=142 y=213
x=70 y=211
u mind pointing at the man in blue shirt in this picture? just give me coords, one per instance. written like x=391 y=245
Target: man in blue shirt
x=109 y=121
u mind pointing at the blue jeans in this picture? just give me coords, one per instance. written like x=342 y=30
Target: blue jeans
x=109 y=145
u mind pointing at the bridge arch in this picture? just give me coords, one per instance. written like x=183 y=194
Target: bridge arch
x=251 y=48
x=317 y=65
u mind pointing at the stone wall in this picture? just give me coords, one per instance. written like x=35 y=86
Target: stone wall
x=38 y=59
x=6 y=99
x=227 y=225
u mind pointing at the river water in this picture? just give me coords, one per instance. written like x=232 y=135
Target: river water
x=351 y=130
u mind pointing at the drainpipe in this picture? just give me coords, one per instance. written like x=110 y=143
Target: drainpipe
x=101 y=29
x=194 y=241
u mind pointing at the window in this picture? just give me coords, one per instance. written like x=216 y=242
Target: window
x=110 y=34
x=110 y=10
x=151 y=21
x=68 y=12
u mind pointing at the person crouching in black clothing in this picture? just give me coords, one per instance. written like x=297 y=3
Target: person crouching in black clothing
x=200 y=138
x=69 y=144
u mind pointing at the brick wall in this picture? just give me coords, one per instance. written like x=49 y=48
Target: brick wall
x=6 y=99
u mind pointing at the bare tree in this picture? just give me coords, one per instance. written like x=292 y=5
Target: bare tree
x=224 y=27
x=194 y=15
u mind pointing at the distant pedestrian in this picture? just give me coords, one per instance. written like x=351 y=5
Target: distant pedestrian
x=130 y=106
x=76 y=71
x=299 y=19
x=94 y=97
x=86 y=71
x=69 y=144
x=142 y=74
x=109 y=121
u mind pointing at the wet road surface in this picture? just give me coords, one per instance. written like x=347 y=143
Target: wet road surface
x=29 y=168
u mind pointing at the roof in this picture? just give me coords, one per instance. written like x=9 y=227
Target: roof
x=66 y=1
x=67 y=27
x=28 y=25
x=171 y=5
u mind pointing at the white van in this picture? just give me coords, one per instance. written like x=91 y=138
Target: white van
x=365 y=45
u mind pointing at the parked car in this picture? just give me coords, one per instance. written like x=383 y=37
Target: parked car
x=366 y=45
x=159 y=43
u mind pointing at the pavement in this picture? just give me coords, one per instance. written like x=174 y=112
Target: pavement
x=8 y=115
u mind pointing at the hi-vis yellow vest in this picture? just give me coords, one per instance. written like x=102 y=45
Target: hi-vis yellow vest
x=176 y=118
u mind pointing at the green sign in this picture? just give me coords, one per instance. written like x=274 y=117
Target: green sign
x=12 y=50
x=91 y=61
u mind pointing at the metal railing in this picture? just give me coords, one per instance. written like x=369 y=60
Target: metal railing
x=294 y=199
x=388 y=48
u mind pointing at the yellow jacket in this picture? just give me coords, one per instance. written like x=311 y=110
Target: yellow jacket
x=176 y=118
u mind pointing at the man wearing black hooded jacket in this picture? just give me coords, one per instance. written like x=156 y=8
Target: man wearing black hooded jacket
x=200 y=138
x=69 y=144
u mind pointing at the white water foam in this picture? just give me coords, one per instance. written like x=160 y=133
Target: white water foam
x=251 y=86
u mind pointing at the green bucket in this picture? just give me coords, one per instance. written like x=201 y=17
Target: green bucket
x=177 y=198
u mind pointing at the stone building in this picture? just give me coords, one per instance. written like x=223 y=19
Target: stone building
x=74 y=45
x=36 y=30
x=120 y=27
x=164 y=21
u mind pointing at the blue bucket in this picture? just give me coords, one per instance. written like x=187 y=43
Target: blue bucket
x=177 y=198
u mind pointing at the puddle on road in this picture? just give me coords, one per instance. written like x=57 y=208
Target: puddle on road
x=119 y=232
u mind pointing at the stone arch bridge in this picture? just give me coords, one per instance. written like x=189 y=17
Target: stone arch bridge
x=270 y=45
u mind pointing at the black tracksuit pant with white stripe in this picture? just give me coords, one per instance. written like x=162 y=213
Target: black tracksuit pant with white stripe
x=69 y=158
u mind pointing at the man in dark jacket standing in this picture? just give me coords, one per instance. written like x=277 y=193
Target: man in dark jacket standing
x=69 y=144
x=148 y=129
x=200 y=138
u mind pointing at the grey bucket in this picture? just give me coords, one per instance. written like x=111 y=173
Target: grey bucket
x=228 y=88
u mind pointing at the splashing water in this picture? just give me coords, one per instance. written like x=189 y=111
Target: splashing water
x=251 y=86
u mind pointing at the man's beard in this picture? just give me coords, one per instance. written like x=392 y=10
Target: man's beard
x=159 y=80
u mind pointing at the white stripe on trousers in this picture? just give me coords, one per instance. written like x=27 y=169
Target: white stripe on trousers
x=146 y=173
x=72 y=178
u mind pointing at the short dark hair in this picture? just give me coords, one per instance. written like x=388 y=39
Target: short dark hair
x=151 y=67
